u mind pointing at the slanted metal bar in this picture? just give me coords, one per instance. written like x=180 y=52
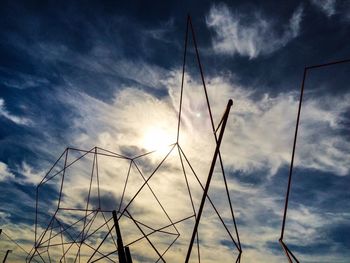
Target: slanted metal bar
x=7 y=253
x=206 y=189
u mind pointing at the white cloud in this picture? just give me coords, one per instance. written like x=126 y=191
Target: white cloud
x=5 y=173
x=328 y=7
x=260 y=131
x=4 y=112
x=257 y=37
x=30 y=175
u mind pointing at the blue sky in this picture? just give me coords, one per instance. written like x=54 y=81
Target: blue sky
x=109 y=75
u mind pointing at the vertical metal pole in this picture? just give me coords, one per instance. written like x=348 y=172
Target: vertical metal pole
x=225 y=117
x=121 y=252
x=128 y=255
x=7 y=253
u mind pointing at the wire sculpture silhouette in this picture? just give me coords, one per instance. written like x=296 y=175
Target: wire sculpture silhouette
x=67 y=229
x=289 y=254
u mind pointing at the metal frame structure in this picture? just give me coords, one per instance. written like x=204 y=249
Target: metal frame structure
x=56 y=229
x=289 y=254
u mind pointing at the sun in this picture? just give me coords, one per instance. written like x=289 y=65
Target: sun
x=157 y=139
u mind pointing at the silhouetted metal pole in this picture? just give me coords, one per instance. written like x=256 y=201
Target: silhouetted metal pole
x=7 y=253
x=121 y=252
x=128 y=255
x=223 y=125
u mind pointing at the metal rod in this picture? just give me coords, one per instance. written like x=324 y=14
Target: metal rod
x=293 y=153
x=128 y=255
x=7 y=253
x=121 y=252
x=206 y=189
x=306 y=69
x=145 y=236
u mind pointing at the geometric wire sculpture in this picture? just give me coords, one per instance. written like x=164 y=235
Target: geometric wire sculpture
x=289 y=254
x=81 y=235
x=67 y=229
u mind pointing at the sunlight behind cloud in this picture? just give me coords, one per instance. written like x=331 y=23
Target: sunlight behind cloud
x=157 y=139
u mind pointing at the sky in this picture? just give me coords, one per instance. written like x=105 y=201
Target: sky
x=108 y=74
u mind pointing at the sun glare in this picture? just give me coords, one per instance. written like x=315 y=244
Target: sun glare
x=157 y=139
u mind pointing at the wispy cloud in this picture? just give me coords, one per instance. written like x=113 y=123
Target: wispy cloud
x=328 y=7
x=5 y=173
x=253 y=38
x=16 y=119
x=160 y=33
x=20 y=80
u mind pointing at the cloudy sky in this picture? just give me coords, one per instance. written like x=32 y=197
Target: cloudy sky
x=109 y=75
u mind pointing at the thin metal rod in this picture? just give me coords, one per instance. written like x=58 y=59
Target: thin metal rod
x=7 y=253
x=210 y=201
x=328 y=64
x=284 y=246
x=213 y=127
x=157 y=199
x=182 y=82
x=146 y=182
x=296 y=134
x=293 y=153
x=157 y=230
x=13 y=241
x=125 y=185
x=145 y=235
x=206 y=189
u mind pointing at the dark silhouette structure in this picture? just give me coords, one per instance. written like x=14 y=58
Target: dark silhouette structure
x=291 y=257
x=67 y=229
